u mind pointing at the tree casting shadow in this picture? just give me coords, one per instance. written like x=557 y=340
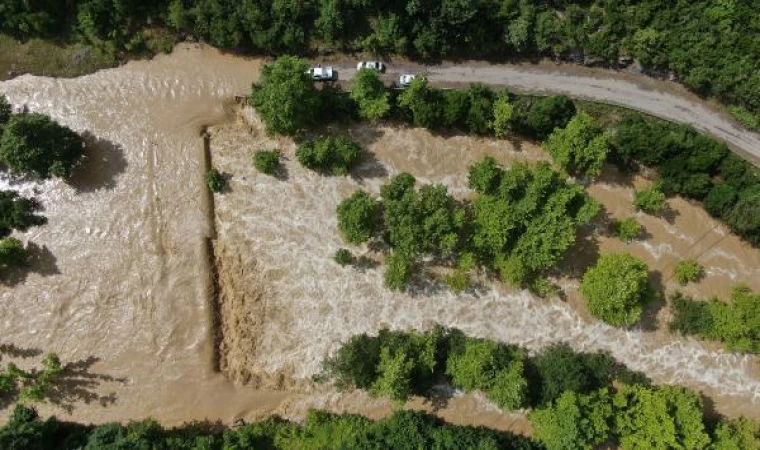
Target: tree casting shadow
x=77 y=384
x=39 y=260
x=101 y=165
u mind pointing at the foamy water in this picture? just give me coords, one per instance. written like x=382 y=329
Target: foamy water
x=289 y=228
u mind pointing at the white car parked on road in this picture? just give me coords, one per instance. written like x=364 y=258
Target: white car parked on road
x=406 y=79
x=320 y=73
x=374 y=65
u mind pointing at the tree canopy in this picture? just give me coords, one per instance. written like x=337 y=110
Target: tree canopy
x=369 y=92
x=285 y=96
x=34 y=144
x=579 y=148
x=617 y=288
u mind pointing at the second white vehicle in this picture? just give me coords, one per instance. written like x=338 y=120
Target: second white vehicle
x=406 y=79
x=374 y=65
x=320 y=73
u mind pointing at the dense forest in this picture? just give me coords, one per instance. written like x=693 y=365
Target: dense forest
x=403 y=430
x=710 y=46
x=576 y=400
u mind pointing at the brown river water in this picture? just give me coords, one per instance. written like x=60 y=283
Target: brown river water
x=121 y=285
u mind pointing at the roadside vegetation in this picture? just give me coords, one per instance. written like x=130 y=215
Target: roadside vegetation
x=707 y=46
x=574 y=400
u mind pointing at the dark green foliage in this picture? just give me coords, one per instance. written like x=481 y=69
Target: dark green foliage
x=721 y=199
x=34 y=144
x=744 y=217
x=456 y=108
x=329 y=155
x=356 y=217
x=285 y=97
x=369 y=92
x=320 y=430
x=5 y=112
x=267 y=161
x=558 y=368
x=12 y=253
x=424 y=104
x=215 y=181
x=343 y=257
x=735 y=323
x=688 y=271
x=627 y=229
x=545 y=114
x=17 y=213
x=579 y=148
x=480 y=114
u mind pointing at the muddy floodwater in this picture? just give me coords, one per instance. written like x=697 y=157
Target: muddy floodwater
x=296 y=304
x=120 y=284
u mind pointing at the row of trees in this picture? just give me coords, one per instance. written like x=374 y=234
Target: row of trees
x=709 y=47
x=578 y=400
x=695 y=166
x=735 y=323
x=410 y=430
x=522 y=222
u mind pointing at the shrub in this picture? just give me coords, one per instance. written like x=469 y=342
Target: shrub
x=215 y=181
x=688 y=271
x=35 y=144
x=398 y=270
x=546 y=114
x=329 y=155
x=689 y=316
x=720 y=200
x=617 y=288
x=650 y=200
x=485 y=176
x=369 y=92
x=266 y=161
x=457 y=281
x=574 y=421
x=343 y=257
x=544 y=288
x=627 y=229
x=580 y=147
x=12 y=253
x=356 y=217
x=503 y=115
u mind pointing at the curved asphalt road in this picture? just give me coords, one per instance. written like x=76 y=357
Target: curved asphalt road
x=647 y=95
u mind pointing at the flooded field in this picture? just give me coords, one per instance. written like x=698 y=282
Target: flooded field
x=120 y=284
x=297 y=305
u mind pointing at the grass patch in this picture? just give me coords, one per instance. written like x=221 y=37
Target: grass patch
x=40 y=57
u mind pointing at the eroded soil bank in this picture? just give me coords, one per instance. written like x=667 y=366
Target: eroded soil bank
x=279 y=235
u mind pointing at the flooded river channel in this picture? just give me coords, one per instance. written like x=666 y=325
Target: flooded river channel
x=120 y=284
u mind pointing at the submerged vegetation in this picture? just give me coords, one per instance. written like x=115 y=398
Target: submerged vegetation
x=736 y=323
x=576 y=400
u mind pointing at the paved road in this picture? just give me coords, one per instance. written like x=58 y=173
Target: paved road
x=646 y=95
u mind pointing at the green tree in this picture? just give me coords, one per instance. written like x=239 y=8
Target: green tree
x=17 y=213
x=12 y=253
x=503 y=115
x=424 y=103
x=650 y=200
x=688 y=271
x=721 y=199
x=617 y=288
x=329 y=155
x=5 y=112
x=480 y=113
x=580 y=147
x=369 y=92
x=574 y=421
x=266 y=161
x=35 y=144
x=627 y=229
x=493 y=368
x=548 y=113
x=356 y=217
x=398 y=270
x=485 y=176
x=215 y=181
x=395 y=376
x=735 y=434
x=660 y=418
x=285 y=96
